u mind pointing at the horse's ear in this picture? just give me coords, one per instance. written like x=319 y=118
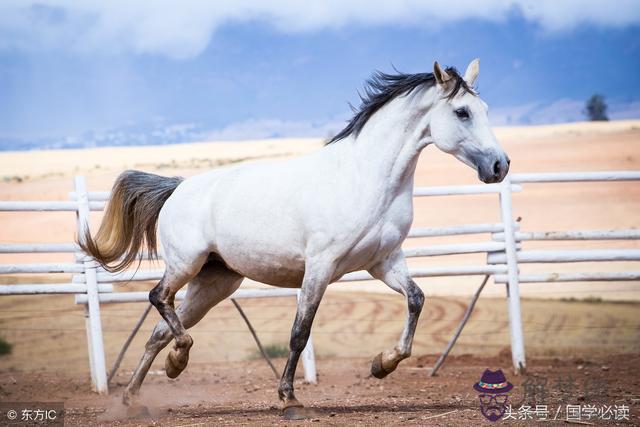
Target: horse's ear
x=441 y=75
x=471 y=75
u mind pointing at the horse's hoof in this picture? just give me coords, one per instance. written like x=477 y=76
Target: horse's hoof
x=174 y=364
x=376 y=367
x=298 y=413
x=138 y=411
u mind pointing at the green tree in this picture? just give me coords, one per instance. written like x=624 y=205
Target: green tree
x=597 y=108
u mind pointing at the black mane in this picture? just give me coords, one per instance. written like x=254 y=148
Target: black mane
x=382 y=88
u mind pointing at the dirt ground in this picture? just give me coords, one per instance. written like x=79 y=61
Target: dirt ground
x=594 y=343
x=245 y=393
x=48 y=333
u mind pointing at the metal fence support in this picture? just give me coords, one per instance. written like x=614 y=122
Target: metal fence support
x=463 y=322
x=93 y=323
x=127 y=343
x=265 y=356
x=513 y=287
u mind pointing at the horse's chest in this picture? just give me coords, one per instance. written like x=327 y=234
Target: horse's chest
x=378 y=244
x=378 y=241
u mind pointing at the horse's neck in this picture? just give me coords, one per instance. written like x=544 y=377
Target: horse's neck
x=388 y=147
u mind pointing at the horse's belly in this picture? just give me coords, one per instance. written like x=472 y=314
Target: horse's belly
x=281 y=276
x=276 y=268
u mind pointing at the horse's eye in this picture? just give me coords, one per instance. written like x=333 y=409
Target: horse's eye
x=462 y=113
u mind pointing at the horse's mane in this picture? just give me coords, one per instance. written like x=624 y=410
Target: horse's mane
x=381 y=88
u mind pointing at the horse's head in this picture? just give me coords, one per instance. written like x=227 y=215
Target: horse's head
x=459 y=125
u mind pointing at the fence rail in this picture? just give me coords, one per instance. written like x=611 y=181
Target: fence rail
x=28 y=248
x=504 y=252
x=47 y=206
x=58 y=288
x=629 y=234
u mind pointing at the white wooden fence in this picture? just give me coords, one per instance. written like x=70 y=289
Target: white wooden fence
x=93 y=285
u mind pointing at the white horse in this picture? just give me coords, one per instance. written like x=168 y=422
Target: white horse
x=301 y=223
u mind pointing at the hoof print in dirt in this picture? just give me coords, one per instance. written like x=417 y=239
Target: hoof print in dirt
x=138 y=411
x=299 y=413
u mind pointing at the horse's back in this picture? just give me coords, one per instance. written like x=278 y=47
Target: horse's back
x=264 y=220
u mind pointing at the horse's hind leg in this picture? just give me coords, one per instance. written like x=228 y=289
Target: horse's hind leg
x=213 y=284
x=162 y=297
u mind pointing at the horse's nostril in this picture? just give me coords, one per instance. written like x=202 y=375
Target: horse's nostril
x=508 y=161
x=496 y=167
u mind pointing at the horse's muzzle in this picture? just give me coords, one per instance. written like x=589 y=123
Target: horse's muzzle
x=493 y=168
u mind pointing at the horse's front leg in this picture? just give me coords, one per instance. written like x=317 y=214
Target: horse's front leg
x=394 y=273
x=315 y=282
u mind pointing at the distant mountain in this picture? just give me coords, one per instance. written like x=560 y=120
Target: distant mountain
x=155 y=133
x=559 y=111
x=159 y=132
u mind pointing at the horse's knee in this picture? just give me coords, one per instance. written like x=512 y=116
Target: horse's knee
x=156 y=296
x=415 y=299
x=296 y=345
x=299 y=339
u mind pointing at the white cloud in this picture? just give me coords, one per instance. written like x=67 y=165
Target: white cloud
x=558 y=15
x=184 y=29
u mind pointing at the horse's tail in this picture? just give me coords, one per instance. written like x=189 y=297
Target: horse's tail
x=130 y=219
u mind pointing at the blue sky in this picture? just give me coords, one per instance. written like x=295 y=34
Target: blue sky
x=108 y=73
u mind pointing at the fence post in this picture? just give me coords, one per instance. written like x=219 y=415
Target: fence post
x=92 y=312
x=515 y=317
x=87 y=326
x=309 y=358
